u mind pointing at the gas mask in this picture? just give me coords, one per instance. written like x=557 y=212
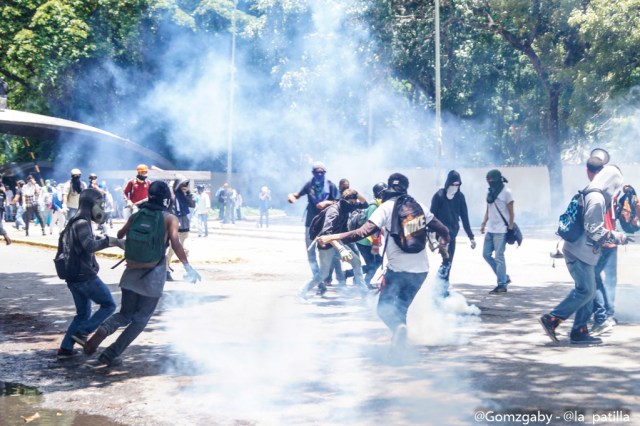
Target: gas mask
x=97 y=212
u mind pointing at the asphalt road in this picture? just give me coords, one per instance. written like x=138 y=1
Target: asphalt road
x=240 y=348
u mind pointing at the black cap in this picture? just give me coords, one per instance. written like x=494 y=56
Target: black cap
x=398 y=182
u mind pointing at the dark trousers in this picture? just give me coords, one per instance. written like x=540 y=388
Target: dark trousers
x=395 y=298
x=33 y=210
x=135 y=312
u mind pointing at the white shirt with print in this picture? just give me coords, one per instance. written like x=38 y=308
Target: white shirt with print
x=398 y=260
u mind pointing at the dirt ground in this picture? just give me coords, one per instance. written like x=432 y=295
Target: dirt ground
x=240 y=347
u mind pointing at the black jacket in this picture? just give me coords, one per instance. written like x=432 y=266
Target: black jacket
x=83 y=246
x=450 y=212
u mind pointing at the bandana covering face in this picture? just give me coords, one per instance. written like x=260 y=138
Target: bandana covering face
x=496 y=184
x=319 y=190
x=451 y=191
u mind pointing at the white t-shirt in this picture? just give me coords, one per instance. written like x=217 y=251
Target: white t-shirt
x=495 y=224
x=398 y=260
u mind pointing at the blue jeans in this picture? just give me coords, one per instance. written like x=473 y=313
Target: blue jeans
x=496 y=242
x=203 y=224
x=395 y=298
x=372 y=262
x=19 y=216
x=135 y=312
x=604 y=302
x=580 y=299
x=83 y=323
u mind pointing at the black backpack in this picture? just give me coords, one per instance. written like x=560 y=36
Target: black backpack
x=571 y=222
x=408 y=225
x=626 y=212
x=67 y=264
x=317 y=223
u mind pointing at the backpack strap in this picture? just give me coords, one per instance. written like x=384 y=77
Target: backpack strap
x=499 y=212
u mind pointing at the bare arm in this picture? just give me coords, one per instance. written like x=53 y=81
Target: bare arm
x=485 y=219
x=511 y=215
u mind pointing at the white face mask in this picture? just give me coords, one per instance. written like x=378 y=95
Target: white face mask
x=451 y=191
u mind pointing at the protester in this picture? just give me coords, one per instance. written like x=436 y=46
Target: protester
x=582 y=256
x=221 y=196
x=3 y=206
x=58 y=218
x=203 y=203
x=83 y=282
x=369 y=247
x=31 y=194
x=142 y=283
x=136 y=190
x=449 y=206
x=321 y=193
x=264 y=204
x=183 y=201
x=72 y=189
x=406 y=272
x=335 y=221
x=18 y=201
x=499 y=209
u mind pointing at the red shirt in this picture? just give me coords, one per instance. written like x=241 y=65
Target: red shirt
x=136 y=190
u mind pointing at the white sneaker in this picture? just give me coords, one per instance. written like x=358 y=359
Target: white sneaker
x=606 y=326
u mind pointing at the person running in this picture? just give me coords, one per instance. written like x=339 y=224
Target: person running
x=581 y=257
x=449 y=206
x=406 y=272
x=84 y=283
x=142 y=283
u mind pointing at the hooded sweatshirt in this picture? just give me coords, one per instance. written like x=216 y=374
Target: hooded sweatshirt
x=450 y=211
x=586 y=248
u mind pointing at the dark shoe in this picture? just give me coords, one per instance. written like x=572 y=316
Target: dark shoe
x=498 y=290
x=581 y=336
x=80 y=339
x=322 y=289
x=169 y=277
x=103 y=362
x=44 y=233
x=549 y=324
x=7 y=239
x=91 y=346
x=64 y=354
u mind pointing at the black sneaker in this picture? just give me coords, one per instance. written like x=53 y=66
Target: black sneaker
x=582 y=337
x=321 y=290
x=64 y=354
x=104 y=362
x=498 y=290
x=549 y=324
x=169 y=277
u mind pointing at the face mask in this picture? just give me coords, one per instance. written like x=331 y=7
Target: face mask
x=318 y=175
x=97 y=213
x=141 y=177
x=451 y=191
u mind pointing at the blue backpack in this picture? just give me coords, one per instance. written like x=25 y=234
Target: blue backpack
x=571 y=222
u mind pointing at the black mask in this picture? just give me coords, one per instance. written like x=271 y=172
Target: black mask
x=346 y=206
x=141 y=177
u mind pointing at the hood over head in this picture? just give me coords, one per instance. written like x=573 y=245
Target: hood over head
x=452 y=177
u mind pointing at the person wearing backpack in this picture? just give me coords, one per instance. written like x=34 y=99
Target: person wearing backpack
x=369 y=247
x=334 y=219
x=405 y=223
x=82 y=271
x=449 y=206
x=142 y=282
x=581 y=257
x=499 y=210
